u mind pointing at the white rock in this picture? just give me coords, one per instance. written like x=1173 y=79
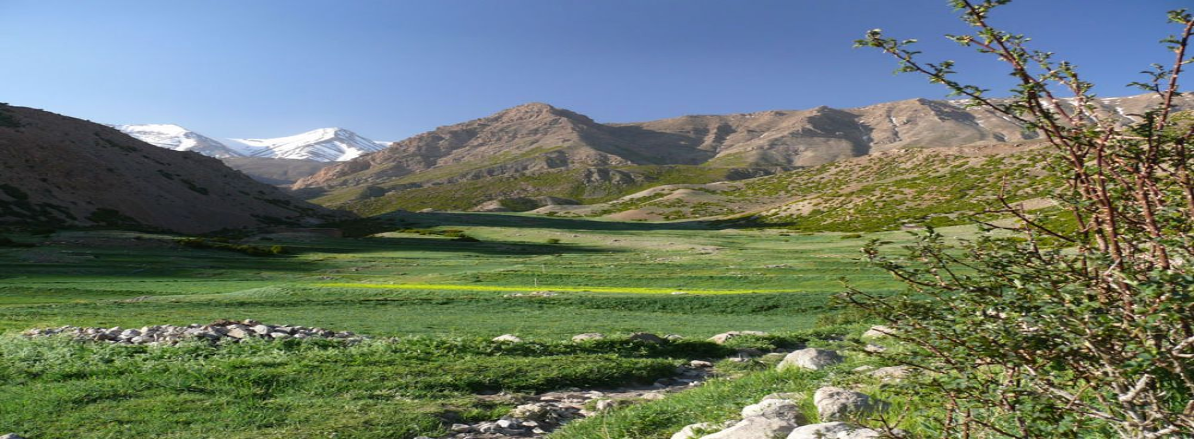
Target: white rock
x=700 y=364
x=755 y=428
x=11 y=436
x=782 y=409
x=726 y=336
x=695 y=431
x=811 y=358
x=878 y=331
x=836 y=403
x=588 y=336
x=893 y=373
x=510 y=338
x=833 y=430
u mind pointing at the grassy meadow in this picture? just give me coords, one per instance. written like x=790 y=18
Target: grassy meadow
x=429 y=289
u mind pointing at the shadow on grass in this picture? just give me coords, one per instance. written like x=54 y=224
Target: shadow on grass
x=446 y=245
x=397 y=220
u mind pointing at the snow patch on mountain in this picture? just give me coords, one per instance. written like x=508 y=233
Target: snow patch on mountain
x=324 y=144
x=179 y=139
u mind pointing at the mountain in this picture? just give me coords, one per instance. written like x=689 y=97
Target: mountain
x=322 y=145
x=179 y=139
x=880 y=191
x=277 y=172
x=62 y=171
x=537 y=150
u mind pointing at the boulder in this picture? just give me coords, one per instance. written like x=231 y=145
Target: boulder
x=695 y=431
x=833 y=430
x=811 y=358
x=11 y=436
x=878 y=331
x=699 y=364
x=726 y=336
x=508 y=338
x=756 y=428
x=893 y=373
x=588 y=336
x=782 y=409
x=836 y=403
x=646 y=337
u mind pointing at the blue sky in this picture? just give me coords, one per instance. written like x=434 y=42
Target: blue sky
x=389 y=69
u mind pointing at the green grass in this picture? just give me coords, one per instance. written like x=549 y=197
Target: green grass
x=443 y=299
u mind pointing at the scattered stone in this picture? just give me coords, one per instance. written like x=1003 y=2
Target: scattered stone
x=755 y=428
x=874 y=348
x=811 y=358
x=508 y=338
x=533 y=294
x=588 y=336
x=878 y=331
x=835 y=403
x=700 y=364
x=893 y=373
x=833 y=430
x=781 y=409
x=532 y=412
x=221 y=330
x=863 y=369
x=646 y=337
x=673 y=337
x=726 y=336
x=11 y=436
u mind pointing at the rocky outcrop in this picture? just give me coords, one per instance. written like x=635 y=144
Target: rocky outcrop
x=219 y=331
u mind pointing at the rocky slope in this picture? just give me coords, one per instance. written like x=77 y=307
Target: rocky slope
x=57 y=170
x=517 y=147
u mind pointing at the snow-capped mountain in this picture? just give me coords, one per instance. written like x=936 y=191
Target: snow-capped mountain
x=179 y=139
x=324 y=144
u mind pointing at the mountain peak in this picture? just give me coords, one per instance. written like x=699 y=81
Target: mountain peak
x=537 y=110
x=176 y=137
x=323 y=144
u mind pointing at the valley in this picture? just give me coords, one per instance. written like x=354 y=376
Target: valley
x=429 y=302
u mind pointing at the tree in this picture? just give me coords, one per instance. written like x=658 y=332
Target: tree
x=1041 y=330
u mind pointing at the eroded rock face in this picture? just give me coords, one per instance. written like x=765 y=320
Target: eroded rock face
x=833 y=430
x=811 y=359
x=221 y=330
x=836 y=403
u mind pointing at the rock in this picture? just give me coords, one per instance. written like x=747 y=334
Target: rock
x=237 y=333
x=726 y=336
x=874 y=348
x=261 y=329
x=508 y=338
x=461 y=428
x=694 y=431
x=862 y=369
x=755 y=428
x=532 y=412
x=653 y=396
x=782 y=409
x=646 y=337
x=893 y=373
x=836 y=403
x=878 y=331
x=588 y=336
x=833 y=430
x=811 y=358
x=700 y=364
x=11 y=436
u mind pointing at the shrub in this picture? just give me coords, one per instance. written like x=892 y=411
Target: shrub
x=553 y=241
x=1024 y=339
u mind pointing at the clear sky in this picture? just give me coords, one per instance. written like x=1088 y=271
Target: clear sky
x=389 y=69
